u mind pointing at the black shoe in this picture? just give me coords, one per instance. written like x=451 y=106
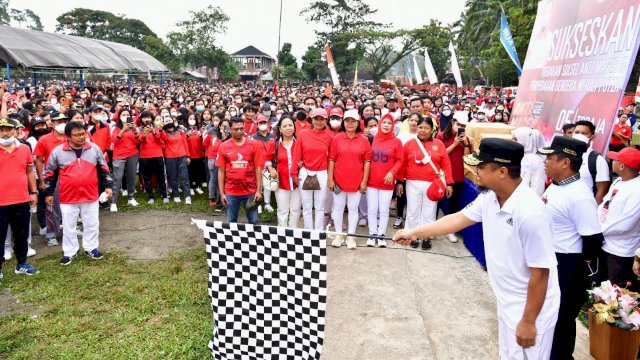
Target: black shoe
x=426 y=244
x=415 y=243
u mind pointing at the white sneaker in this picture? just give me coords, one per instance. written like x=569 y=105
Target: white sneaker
x=31 y=252
x=337 y=241
x=113 y=208
x=124 y=193
x=204 y=185
x=371 y=242
x=176 y=199
x=7 y=255
x=351 y=243
x=268 y=208
x=43 y=231
x=452 y=237
x=187 y=200
x=151 y=201
x=192 y=192
x=362 y=222
x=132 y=202
x=199 y=191
x=382 y=243
x=165 y=200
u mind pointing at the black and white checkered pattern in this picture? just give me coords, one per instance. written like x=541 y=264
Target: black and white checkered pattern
x=268 y=289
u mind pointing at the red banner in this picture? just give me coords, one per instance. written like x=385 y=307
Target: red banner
x=578 y=63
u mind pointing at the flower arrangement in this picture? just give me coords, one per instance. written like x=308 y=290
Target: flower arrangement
x=615 y=305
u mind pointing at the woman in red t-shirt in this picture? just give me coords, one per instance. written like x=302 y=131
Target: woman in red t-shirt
x=621 y=134
x=386 y=161
x=288 y=194
x=419 y=174
x=125 y=157
x=197 y=167
x=349 y=165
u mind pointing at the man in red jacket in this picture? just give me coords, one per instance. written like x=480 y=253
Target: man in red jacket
x=77 y=165
x=240 y=162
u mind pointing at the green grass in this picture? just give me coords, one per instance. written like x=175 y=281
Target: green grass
x=111 y=309
x=199 y=204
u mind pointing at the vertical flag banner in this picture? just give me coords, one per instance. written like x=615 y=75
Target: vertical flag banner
x=355 y=75
x=428 y=66
x=578 y=63
x=416 y=71
x=407 y=70
x=268 y=289
x=507 y=41
x=331 y=65
x=455 y=68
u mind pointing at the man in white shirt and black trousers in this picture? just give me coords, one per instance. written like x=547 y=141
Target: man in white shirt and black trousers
x=518 y=245
x=577 y=236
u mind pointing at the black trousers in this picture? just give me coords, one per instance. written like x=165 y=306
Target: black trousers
x=18 y=216
x=401 y=201
x=197 y=174
x=573 y=278
x=619 y=270
x=153 y=167
x=41 y=210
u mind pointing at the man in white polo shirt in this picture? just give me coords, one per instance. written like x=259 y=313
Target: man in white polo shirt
x=518 y=245
x=577 y=237
x=594 y=171
x=620 y=218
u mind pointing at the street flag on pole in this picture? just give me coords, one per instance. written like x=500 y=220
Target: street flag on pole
x=416 y=71
x=355 y=76
x=455 y=68
x=331 y=65
x=507 y=41
x=431 y=73
x=268 y=290
x=407 y=70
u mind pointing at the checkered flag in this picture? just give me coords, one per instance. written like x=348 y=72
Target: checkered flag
x=268 y=289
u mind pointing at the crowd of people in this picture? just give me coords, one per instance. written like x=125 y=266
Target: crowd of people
x=312 y=152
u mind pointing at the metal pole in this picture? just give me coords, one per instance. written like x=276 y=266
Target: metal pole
x=35 y=79
x=278 y=51
x=9 y=77
x=128 y=81
x=162 y=80
x=81 y=80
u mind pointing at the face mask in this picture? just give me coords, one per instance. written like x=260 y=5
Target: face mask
x=273 y=108
x=200 y=108
x=192 y=122
x=180 y=99
x=498 y=117
x=104 y=118
x=233 y=113
x=40 y=132
x=263 y=127
x=335 y=124
x=301 y=115
x=54 y=101
x=8 y=141
x=96 y=117
x=480 y=116
x=82 y=96
x=124 y=119
x=60 y=128
x=373 y=131
x=278 y=116
x=311 y=107
x=446 y=112
x=350 y=107
x=267 y=113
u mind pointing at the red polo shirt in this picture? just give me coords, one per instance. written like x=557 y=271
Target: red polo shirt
x=45 y=146
x=14 y=181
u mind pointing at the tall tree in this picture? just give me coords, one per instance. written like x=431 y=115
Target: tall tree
x=285 y=57
x=337 y=18
x=34 y=22
x=313 y=67
x=18 y=16
x=5 y=18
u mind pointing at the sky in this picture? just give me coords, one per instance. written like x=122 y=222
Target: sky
x=251 y=22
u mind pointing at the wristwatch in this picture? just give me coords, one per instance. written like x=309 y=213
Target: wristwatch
x=33 y=193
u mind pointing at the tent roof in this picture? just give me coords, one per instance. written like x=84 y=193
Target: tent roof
x=194 y=73
x=250 y=51
x=38 y=49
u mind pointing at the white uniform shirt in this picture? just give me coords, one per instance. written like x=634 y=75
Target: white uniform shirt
x=619 y=215
x=602 y=170
x=574 y=213
x=517 y=237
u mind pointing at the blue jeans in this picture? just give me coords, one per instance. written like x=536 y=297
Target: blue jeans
x=233 y=208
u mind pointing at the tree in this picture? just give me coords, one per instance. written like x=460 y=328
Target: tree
x=86 y=23
x=312 y=65
x=34 y=20
x=340 y=17
x=159 y=50
x=229 y=71
x=5 y=18
x=18 y=16
x=285 y=58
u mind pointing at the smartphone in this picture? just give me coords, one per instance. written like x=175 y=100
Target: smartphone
x=65 y=102
x=130 y=120
x=384 y=84
x=461 y=131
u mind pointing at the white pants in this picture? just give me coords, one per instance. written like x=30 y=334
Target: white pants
x=288 y=207
x=267 y=196
x=352 y=200
x=90 y=222
x=378 y=202
x=510 y=350
x=313 y=199
x=8 y=249
x=328 y=202
x=420 y=210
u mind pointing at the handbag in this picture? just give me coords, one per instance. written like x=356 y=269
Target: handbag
x=251 y=204
x=438 y=188
x=311 y=182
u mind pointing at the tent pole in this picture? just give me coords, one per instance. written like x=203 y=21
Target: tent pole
x=35 y=79
x=128 y=81
x=9 y=77
x=162 y=80
x=81 y=80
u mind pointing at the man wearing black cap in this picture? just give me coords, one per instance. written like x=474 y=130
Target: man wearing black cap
x=577 y=236
x=520 y=258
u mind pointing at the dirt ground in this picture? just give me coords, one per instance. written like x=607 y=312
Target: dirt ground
x=382 y=303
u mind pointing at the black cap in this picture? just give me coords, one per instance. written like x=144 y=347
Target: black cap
x=94 y=107
x=266 y=107
x=499 y=151
x=29 y=106
x=37 y=120
x=564 y=145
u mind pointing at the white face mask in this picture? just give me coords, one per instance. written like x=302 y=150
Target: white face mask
x=233 y=113
x=480 y=116
x=373 y=131
x=192 y=122
x=446 y=112
x=335 y=124
x=54 y=101
x=273 y=108
x=124 y=119
x=263 y=127
x=60 y=128
x=82 y=96
x=8 y=141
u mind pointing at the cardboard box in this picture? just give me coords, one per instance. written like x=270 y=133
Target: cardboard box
x=476 y=140
x=470 y=173
x=474 y=129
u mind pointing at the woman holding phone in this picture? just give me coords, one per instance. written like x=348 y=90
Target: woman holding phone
x=125 y=157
